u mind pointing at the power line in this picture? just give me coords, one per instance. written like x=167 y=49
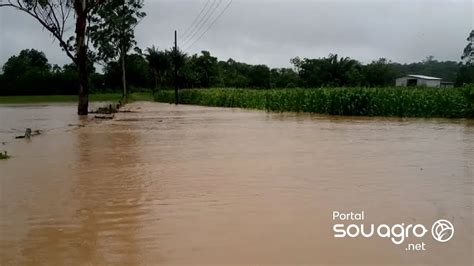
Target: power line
x=200 y=21
x=202 y=24
x=196 y=18
x=210 y=26
x=203 y=21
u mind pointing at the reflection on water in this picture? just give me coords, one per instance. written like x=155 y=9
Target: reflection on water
x=196 y=185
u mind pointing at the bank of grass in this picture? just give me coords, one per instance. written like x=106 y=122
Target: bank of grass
x=102 y=97
x=401 y=102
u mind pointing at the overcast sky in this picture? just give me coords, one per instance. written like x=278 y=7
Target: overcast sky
x=271 y=32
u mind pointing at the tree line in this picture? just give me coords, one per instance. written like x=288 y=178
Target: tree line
x=30 y=73
x=104 y=33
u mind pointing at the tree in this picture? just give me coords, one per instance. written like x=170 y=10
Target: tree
x=29 y=73
x=234 y=74
x=138 y=73
x=112 y=31
x=331 y=71
x=429 y=59
x=26 y=61
x=26 y=73
x=284 y=78
x=466 y=72
x=468 y=53
x=54 y=15
x=206 y=69
x=259 y=76
x=339 y=72
x=379 y=73
x=159 y=63
x=465 y=75
x=201 y=71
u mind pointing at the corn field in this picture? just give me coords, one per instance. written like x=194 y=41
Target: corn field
x=401 y=102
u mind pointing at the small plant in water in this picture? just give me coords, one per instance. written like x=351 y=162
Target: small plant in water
x=110 y=109
x=4 y=155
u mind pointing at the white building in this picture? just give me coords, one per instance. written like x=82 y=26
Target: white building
x=421 y=80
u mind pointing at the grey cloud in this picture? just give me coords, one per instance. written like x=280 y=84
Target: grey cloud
x=272 y=32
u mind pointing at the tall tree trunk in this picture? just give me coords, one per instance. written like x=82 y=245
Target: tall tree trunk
x=81 y=56
x=123 y=54
x=124 y=77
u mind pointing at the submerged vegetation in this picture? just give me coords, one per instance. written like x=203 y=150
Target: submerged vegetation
x=4 y=155
x=402 y=102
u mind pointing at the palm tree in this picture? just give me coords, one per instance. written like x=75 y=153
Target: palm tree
x=339 y=69
x=160 y=63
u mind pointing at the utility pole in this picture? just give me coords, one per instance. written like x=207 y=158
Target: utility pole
x=176 y=97
x=123 y=54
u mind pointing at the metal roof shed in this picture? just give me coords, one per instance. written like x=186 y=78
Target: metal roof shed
x=418 y=80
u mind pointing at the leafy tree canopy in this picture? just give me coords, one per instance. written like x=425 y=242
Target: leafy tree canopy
x=112 y=27
x=27 y=60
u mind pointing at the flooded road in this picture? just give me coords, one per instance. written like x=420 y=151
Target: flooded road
x=177 y=185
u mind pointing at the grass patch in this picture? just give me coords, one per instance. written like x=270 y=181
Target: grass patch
x=140 y=96
x=401 y=102
x=102 y=97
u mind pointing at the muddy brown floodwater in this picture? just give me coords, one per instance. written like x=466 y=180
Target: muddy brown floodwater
x=169 y=184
